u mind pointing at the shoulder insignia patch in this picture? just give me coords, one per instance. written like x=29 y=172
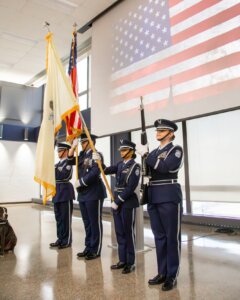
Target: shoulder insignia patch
x=178 y=153
x=137 y=172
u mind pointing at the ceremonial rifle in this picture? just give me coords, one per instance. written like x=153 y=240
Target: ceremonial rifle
x=144 y=168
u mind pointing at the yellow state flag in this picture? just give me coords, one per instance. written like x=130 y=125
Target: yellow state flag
x=59 y=102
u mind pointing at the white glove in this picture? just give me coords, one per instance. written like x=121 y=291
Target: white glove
x=142 y=149
x=74 y=143
x=60 y=169
x=114 y=205
x=145 y=180
x=77 y=184
x=96 y=156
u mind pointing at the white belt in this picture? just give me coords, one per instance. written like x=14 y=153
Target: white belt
x=162 y=182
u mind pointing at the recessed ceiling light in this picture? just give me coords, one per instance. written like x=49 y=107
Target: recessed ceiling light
x=5 y=66
x=69 y=3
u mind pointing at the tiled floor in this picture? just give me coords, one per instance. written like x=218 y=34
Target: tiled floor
x=210 y=264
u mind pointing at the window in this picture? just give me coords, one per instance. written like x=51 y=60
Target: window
x=214 y=163
x=82 y=73
x=84 y=83
x=83 y=103
x=103 y=146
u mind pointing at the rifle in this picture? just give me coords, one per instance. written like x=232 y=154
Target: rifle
x=144 y=168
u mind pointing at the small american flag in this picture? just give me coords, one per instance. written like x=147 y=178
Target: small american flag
x=186 y=49
x=74 y=123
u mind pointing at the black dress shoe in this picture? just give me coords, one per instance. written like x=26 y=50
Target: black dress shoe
x=128 y=269
x=56 y=244
x=119 y=265
x=169 y=284
x=157 y=279
x=90 y=256
x=82 y=254
x=63 y=246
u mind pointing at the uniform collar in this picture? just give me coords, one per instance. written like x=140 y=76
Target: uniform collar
x=163 y=147
x=127 y=161
x=88 y=151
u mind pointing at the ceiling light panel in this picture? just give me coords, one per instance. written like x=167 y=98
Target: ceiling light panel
x=57 y=6
x=17 y=39
x=68 y=3
x=4 y=66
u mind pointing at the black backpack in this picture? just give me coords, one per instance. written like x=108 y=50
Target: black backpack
x=8 y=239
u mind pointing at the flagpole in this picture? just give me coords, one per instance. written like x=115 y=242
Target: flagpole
x=76 y=150
x=47 y=25
x=77 y=177
x=98 y=161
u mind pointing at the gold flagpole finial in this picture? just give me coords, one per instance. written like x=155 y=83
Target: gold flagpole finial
x=75 y=26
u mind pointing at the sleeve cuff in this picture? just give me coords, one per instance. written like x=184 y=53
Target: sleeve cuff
x=119 y=200
x=82 y=182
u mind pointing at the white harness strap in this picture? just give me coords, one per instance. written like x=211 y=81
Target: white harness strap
x=158 y=160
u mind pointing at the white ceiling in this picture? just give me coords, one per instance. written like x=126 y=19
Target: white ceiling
x=22 y=32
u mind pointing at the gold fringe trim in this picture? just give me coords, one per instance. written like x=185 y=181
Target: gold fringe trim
x=63 y=116
x=48 y=38
x=46 y=186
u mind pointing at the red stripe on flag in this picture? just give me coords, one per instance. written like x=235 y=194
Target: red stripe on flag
x=201 y=48
x=191 y=11
x=198 y=94
x=189 y=97
x=73 y=121
x=213 y=90
x=222 y=17
x=204 y=69
x=73 y=76
x=172 y=3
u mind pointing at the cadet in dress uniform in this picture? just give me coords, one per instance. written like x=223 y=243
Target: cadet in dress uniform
x=91 y=193
x=165 y=203
x=63 y=200
x=125 y=204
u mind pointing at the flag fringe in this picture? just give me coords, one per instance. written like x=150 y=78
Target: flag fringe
x=47 y=186
x=63 y=117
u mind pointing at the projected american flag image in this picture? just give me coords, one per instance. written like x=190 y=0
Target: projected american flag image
x=179 y=48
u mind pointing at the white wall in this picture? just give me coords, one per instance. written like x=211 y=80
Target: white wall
x=17 y=164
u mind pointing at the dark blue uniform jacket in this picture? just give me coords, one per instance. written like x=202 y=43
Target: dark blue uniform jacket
x=164 y=165
x=91 y=185
x=127 y=178
x=64 y=188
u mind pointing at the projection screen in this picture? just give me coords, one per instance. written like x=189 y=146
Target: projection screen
x=183 y=57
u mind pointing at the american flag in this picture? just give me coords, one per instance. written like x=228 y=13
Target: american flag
x=180 y=49
x=74 y=123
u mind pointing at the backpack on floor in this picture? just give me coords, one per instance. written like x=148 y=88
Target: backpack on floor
x=8 y=239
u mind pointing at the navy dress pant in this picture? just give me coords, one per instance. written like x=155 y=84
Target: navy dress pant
x=165 y=219
x=124 y=221
x=91 y=212
x=63 y=216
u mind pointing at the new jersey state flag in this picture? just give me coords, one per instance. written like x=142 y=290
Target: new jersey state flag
x=59 y=102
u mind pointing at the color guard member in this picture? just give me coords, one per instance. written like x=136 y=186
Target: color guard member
x=165 y=203
x=63 y=200
x=124 y=205
x=91 y=193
